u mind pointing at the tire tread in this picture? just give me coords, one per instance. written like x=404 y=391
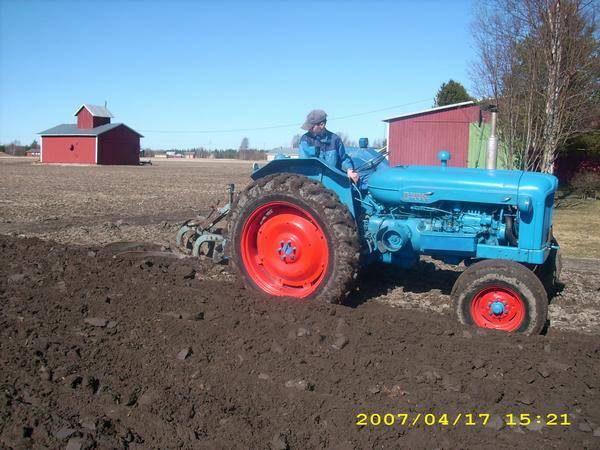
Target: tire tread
x=330 y=210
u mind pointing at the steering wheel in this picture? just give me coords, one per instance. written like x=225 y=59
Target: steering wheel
x=373 y=162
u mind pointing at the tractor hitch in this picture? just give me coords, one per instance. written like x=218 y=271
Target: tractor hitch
x=201 y=236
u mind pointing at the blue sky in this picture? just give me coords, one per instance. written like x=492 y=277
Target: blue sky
x=171 y=69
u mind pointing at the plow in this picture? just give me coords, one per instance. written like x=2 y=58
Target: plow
x=201 y=236
x=302 y=230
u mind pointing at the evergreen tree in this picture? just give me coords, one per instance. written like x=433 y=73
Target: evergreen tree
x=450 y=93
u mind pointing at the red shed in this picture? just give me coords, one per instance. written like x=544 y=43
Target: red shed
x=93 y=140
x=416 y=138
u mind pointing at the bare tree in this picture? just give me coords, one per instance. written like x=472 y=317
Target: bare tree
x=16 y=149
x=346 y=139
x=244 y=147
x=539 y=61
x=296 y=141
x=379 y=143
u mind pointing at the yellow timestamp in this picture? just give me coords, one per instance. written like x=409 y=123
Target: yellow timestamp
x=549 y=419
x=415 y=419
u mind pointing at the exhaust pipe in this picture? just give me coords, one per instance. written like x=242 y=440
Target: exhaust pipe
x=492 y=145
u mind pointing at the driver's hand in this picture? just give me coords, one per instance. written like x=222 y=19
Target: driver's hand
x=353 y=175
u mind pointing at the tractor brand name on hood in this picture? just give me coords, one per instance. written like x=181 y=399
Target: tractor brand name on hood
x=414 y=196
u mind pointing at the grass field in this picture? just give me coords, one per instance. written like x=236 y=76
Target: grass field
x=577 y=229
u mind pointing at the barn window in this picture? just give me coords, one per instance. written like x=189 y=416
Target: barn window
x=72 y=147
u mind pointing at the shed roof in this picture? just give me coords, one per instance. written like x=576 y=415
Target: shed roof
x=95 y=110
x=431 y=110
x=70 y=129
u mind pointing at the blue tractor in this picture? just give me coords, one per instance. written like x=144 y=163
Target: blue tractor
x=302 y=229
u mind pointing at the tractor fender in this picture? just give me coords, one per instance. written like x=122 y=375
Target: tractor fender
x=315 y=169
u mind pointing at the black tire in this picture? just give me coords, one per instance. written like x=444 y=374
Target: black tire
x=549 y=273
x=506 y=275
x=329 y=212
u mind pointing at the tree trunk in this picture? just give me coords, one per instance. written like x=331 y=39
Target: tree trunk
x=552 y=126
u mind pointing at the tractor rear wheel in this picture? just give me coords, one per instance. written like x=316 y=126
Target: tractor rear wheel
x=502 y=295
x=292 y=237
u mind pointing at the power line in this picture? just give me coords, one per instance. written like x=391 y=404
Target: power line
x=272 y=127
x=382 y=109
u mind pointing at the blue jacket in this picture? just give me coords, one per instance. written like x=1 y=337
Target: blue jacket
x=327 y=147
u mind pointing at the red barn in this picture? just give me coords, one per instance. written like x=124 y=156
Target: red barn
x=461 y=128
x=93 y=140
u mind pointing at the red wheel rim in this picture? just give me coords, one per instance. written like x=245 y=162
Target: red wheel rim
x=498 y=307
x=284 y=250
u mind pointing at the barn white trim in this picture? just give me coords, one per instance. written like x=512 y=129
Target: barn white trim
x=430 y=110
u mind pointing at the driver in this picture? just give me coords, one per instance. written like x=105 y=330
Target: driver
x=321 y=143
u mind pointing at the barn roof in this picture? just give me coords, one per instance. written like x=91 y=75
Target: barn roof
x=95 y=110
x=431 y=110
x=70 y=129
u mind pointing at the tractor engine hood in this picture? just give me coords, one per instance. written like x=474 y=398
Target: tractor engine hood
x=430 y=184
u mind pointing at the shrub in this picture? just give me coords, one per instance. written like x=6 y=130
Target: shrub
x=586 y=183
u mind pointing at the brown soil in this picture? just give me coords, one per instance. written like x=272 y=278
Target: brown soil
x=102 y=204
x=120 y=379
x=101 y=346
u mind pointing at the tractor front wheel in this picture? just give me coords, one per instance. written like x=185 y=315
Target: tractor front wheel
x=501 y=295
x=549 y=273
x=292 y=237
